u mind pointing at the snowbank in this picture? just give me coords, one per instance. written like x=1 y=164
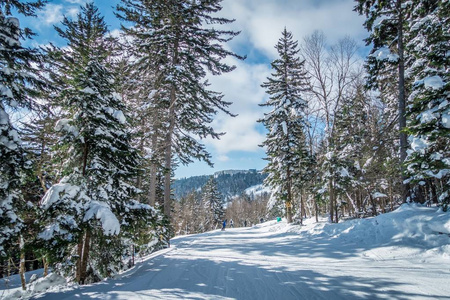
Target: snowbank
x=52 y=282
x=411 y=230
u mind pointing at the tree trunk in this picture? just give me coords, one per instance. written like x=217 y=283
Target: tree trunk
x=139 y=176
x=402 y=100
x=391 y=195
x=168 y=160
x=22 y=264
x=289 y=212
x=153 y=170
x=80 y=255
x=331 y=196
x=316 y=208
x=85 y=256
x=336 y=211
x=289 y=197
x=374 y=206
x=168 y=146
x=434 y=198
x=45 y=263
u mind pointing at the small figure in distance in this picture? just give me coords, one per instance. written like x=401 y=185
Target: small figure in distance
x=224 y=224
x=231 y=223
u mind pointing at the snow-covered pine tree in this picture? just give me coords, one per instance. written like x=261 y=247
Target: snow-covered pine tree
x=285 y=141
x=93 y=201
x=387 y=23
x=19 y=84
x=429 y=113
x=350 y=149
x=135 y=85
x=176 y=43
x=212 y=201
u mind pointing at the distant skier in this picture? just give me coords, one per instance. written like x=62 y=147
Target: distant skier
x=224 y=224
x=231 y=223
x=245 y=223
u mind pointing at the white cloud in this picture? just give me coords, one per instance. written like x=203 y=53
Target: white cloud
x=76 y=1
x=71 y=12
x=223 y=158
x=242 y=87
x=261 y=23
x=51 y=14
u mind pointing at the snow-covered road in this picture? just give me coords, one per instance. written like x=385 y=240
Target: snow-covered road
x=276 y=261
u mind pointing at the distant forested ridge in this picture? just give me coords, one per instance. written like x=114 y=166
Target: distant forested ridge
x=230 y=182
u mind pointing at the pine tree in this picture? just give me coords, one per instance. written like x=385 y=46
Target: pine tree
x=213 y=203
x=285 y=141
x=20 y=84
x=429 y=112
x=387 y=23
x=174 y=47
x=93 y=202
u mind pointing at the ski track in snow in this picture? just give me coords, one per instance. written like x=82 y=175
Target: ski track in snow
x=274 y=261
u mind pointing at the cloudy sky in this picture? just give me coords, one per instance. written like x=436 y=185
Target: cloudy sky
x=260 y=23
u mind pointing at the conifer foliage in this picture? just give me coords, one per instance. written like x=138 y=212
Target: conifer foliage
x=19 y=81
x=92 y=203
x=285 y=141
x=387 y=24
x=212 y=200
x=429 y=112
x=176 y=44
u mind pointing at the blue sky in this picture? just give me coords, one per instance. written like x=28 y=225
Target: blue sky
x=260 y=23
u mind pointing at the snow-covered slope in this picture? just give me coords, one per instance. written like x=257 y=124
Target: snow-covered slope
x=401 y=255
x=258 y=190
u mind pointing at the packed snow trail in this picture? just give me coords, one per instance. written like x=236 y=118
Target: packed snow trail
x=360 y=259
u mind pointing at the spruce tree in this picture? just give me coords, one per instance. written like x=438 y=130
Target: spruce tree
x=387 y=23
x=285 y=141
x=212 y=201
x=20 y=83
x=92 y=203
x=429 y=112
x=176 y=45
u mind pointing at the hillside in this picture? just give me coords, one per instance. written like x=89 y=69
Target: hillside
x=229 y=182
x=399 y=255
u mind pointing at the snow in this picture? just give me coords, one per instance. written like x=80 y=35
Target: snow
x=446 y=120
x=64 y=125
x=88 y=90
x=344 y=172
x=400 y=255
x=102 y=211
x=433 y=82
x=419 y=144
x=257 y=190
x=58 y=192
x=284 y=125
x=383 y=54
x=118 y=114
x=379 y=195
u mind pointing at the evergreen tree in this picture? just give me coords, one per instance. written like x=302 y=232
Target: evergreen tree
x=347 y=155
x=20 y=83
x=429 y=112
x=174 y=47
x=285 y=141
x=93 y=202
x=213 y=203
x=387 y=23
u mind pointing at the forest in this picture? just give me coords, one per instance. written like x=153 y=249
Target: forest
x=86 y=178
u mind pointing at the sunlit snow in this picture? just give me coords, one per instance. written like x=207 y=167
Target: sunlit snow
x=400 y=255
